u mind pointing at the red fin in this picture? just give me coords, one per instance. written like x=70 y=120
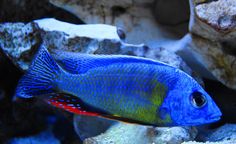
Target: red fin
x=70 y=104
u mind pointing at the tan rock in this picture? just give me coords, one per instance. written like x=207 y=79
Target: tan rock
x=213 y=28
x=214 y=20
x=211 y=55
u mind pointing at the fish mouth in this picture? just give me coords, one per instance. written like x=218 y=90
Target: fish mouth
x=214 y=118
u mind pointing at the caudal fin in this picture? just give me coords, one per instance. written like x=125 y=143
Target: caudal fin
x=40 y=77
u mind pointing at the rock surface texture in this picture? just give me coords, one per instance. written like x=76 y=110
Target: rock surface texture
x=226 y=134
x=133 y=134
x=20 y=41
x=138 y=18
x=214 y=20
x=213 y=28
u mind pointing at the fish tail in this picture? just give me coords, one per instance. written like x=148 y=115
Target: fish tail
x=41 y=76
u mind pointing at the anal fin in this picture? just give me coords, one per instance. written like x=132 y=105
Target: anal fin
x=69 y=103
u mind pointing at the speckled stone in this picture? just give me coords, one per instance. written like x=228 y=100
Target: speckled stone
x=211 y=55
x=20 y=41
x=214 y=20
x=136 y=134
x=225 y=134
x=136 y=17
x=213 y=34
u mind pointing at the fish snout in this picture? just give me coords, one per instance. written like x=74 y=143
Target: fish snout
x=215 y=116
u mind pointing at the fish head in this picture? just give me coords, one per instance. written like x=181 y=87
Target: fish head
x=188 y=104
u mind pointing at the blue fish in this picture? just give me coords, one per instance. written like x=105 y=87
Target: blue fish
x=125 y=88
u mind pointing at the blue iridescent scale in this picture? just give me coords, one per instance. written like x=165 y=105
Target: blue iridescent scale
x=118 y=88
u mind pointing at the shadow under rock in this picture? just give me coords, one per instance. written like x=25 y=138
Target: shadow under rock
x=29 y=10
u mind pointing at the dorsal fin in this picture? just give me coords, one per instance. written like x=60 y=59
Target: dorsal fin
x=77 y=63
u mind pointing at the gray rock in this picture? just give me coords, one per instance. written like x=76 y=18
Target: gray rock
x=68 y=37
x=213 y=35
x=133 y=134
x=225 y=132
x=215 y=20
x=135 y=17
x=221 y=142
x=20 y=41
x=211 y=55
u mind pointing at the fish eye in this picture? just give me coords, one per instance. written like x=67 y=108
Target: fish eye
x=198 y=100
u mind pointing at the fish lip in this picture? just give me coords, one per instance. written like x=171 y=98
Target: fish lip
x=214 y=118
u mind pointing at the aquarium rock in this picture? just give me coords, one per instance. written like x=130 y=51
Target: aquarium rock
x=225 y=132
x=213 y=34
x=214 y=20
x=220 y=142
x=136 y=17
x=20 y=41
x=133 y=134
x=211 y=55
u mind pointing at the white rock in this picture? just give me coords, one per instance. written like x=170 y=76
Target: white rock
x=225 y=132
x=135 y=134
x=98 y=31
x=221 y=142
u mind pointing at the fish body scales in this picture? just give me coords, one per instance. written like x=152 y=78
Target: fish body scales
x=129 y=90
